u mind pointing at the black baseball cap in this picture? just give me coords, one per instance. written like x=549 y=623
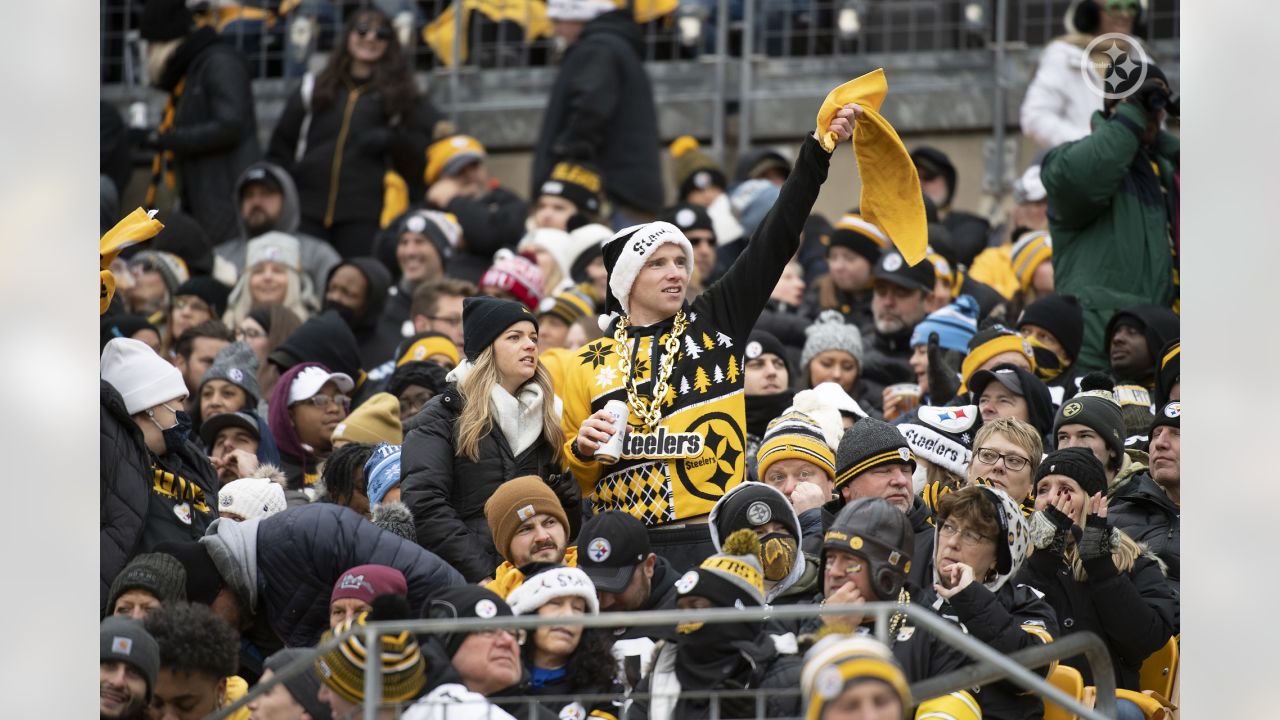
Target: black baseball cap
x=262 y=175
x=1004 y=374
x=610 y=545
x=893 y=268
x=210 y=428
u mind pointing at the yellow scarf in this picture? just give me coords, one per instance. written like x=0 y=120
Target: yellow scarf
x=891 y=196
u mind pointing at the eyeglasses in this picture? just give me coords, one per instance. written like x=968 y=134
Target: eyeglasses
x=699 y=241
x=450 y=320
x=411 y=406
x=518 y=635
x=191 y=303
x=323 y=401
x=967 y=537
x=851 y=567
x=249 y=334
x=987 y=456
x=1116 y=7
x=381 y=32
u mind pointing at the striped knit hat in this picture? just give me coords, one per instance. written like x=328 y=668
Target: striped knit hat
x=570 y=306
x=955 y=324
x=1029 y=250
x=837 y=661
x=795 y=436
x=732 y=577
x=859 y=235
x=988 y=343
x=869 y=444
x=403 y=667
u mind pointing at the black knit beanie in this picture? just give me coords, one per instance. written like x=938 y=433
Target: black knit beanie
x=203 y=580
x=459 y=602
x=325 y=338
x=212 y=292
x=870 y=443
x=761 y=342
x=1077 y=463
x=165 y=20
x=1168 y=371
x=485 y=318
x=1062 y=317
x=1096 y=408
x=1169 y=415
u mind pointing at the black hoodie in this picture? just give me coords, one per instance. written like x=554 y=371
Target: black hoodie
x=376 y=343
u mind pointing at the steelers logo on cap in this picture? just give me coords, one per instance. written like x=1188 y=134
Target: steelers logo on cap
x=1173 y=409
x=754 y=350
x=904 y=453
x=829 y=683
x=415 y=224
x=224 y=499
x=459 y=142
x=419 y=352
x=758 y=513
x=235 y=375
x=686 y=582
x=599 y=549
x=702 y=179
x=485 y=608
x=1072 y=409
x=892 y=262
x=685 y=217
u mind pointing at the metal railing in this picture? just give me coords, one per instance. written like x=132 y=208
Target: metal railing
x=989 y=664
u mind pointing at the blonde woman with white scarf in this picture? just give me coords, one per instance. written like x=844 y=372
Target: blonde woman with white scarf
x=497 y=420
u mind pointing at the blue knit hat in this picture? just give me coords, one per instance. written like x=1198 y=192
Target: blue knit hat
x=382 y=471
x=955 y=324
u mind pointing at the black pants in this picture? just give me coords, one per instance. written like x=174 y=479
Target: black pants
x=684 y=546
x=351 y=239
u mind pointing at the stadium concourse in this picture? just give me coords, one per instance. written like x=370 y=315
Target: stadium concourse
x=533 y=436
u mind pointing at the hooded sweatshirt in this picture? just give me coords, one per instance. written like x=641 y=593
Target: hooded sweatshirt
x=318 y=257
x=792 y=521
x=376 y=345
x=300 y=463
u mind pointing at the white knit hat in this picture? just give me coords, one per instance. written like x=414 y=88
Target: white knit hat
x=251 y=497
x=276 y=247
x=541 y=588
x=141 y=376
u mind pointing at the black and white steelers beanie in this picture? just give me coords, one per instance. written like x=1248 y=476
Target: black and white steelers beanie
x=626 y=253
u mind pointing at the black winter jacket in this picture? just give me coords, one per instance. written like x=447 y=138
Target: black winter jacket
x=1135 y=613
x=147 y=500
x=214 y=136
x=760 y=667
x=350 y=187
x=489 y=223
x=377 y=342
x=601 y=111
x=447 y=492
x=1145 y=513
x=301 y=552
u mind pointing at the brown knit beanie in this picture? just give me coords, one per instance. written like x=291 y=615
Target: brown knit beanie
x=514 y=502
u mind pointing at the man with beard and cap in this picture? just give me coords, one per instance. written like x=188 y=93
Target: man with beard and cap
x=1149 y=507
x=875 y=460
x=613 y=550
x=1056 y=324
x=194 y=352
x=421 y=244
x=267 y=200
x=982 y=540
x=1114 y=218
x=676 y=364
x=292 y=699
x=156 y=484
x=720 y=656
x=529 y=524
x=357 y=290
x=897 y=306
x=1134 y=337
x=968 y=232
x=790 y=576
x=129 y=662
x=866 y=557
x=208 y=133
x=1016 y=393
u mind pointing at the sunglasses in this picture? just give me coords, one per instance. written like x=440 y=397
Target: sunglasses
x=1116 y=7
x=381 y=32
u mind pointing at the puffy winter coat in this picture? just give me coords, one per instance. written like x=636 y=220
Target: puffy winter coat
x=1058 y=103
x=1146 y=513
x=1112 y=206
x=284 y=566
x=601 y=111
x=447 y=491
x=1135 y=612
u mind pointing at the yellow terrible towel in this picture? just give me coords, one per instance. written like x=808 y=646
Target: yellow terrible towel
x=891 y=197
x=136 y=227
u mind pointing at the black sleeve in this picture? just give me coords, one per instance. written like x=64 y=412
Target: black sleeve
x=812 y=531
x=113 y=150
x=591 y=98
x=230 y=100
x=1007 y=631
x=284 y=139
x=1138 y=609
x=124 y=489
x=408 y=149
x=491 y=222
x=737 y=298
x=427 y=488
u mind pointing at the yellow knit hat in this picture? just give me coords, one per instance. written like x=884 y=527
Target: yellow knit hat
x=377 y=420
x=795 y=436
x=450 y=154
x=959 y=705
x=988 y=344
x=425 y=347
x=836 y=661
x=1029 y=251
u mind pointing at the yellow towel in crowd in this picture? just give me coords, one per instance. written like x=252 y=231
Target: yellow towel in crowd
x=891 y=197
x=138 y=226
x=531 y=15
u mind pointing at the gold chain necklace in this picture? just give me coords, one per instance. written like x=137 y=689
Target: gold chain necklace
x=649 y=410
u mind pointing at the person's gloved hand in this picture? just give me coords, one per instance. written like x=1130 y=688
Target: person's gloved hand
x=1153 y=95
x=1049 y=528
x=1097 y=539
x=943 y=379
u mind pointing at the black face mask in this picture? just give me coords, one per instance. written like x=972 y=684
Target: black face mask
x=347 y=314
x=176 y=437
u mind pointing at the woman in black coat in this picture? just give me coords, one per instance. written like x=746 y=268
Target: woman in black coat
x=500 y=420
x=342 y=131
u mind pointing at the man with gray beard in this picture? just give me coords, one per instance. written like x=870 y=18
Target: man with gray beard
x=897 y=305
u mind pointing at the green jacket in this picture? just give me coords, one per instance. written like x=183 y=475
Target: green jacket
x=1109 y=222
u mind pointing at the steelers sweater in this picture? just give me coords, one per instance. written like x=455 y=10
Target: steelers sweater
x=680 y=468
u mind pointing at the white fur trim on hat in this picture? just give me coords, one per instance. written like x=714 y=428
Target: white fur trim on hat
x=832 y=394
x=141 y=376
x=251 y=497
x=641 y=241
x=540 y=589
x=578 y=10
x=826 y=415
